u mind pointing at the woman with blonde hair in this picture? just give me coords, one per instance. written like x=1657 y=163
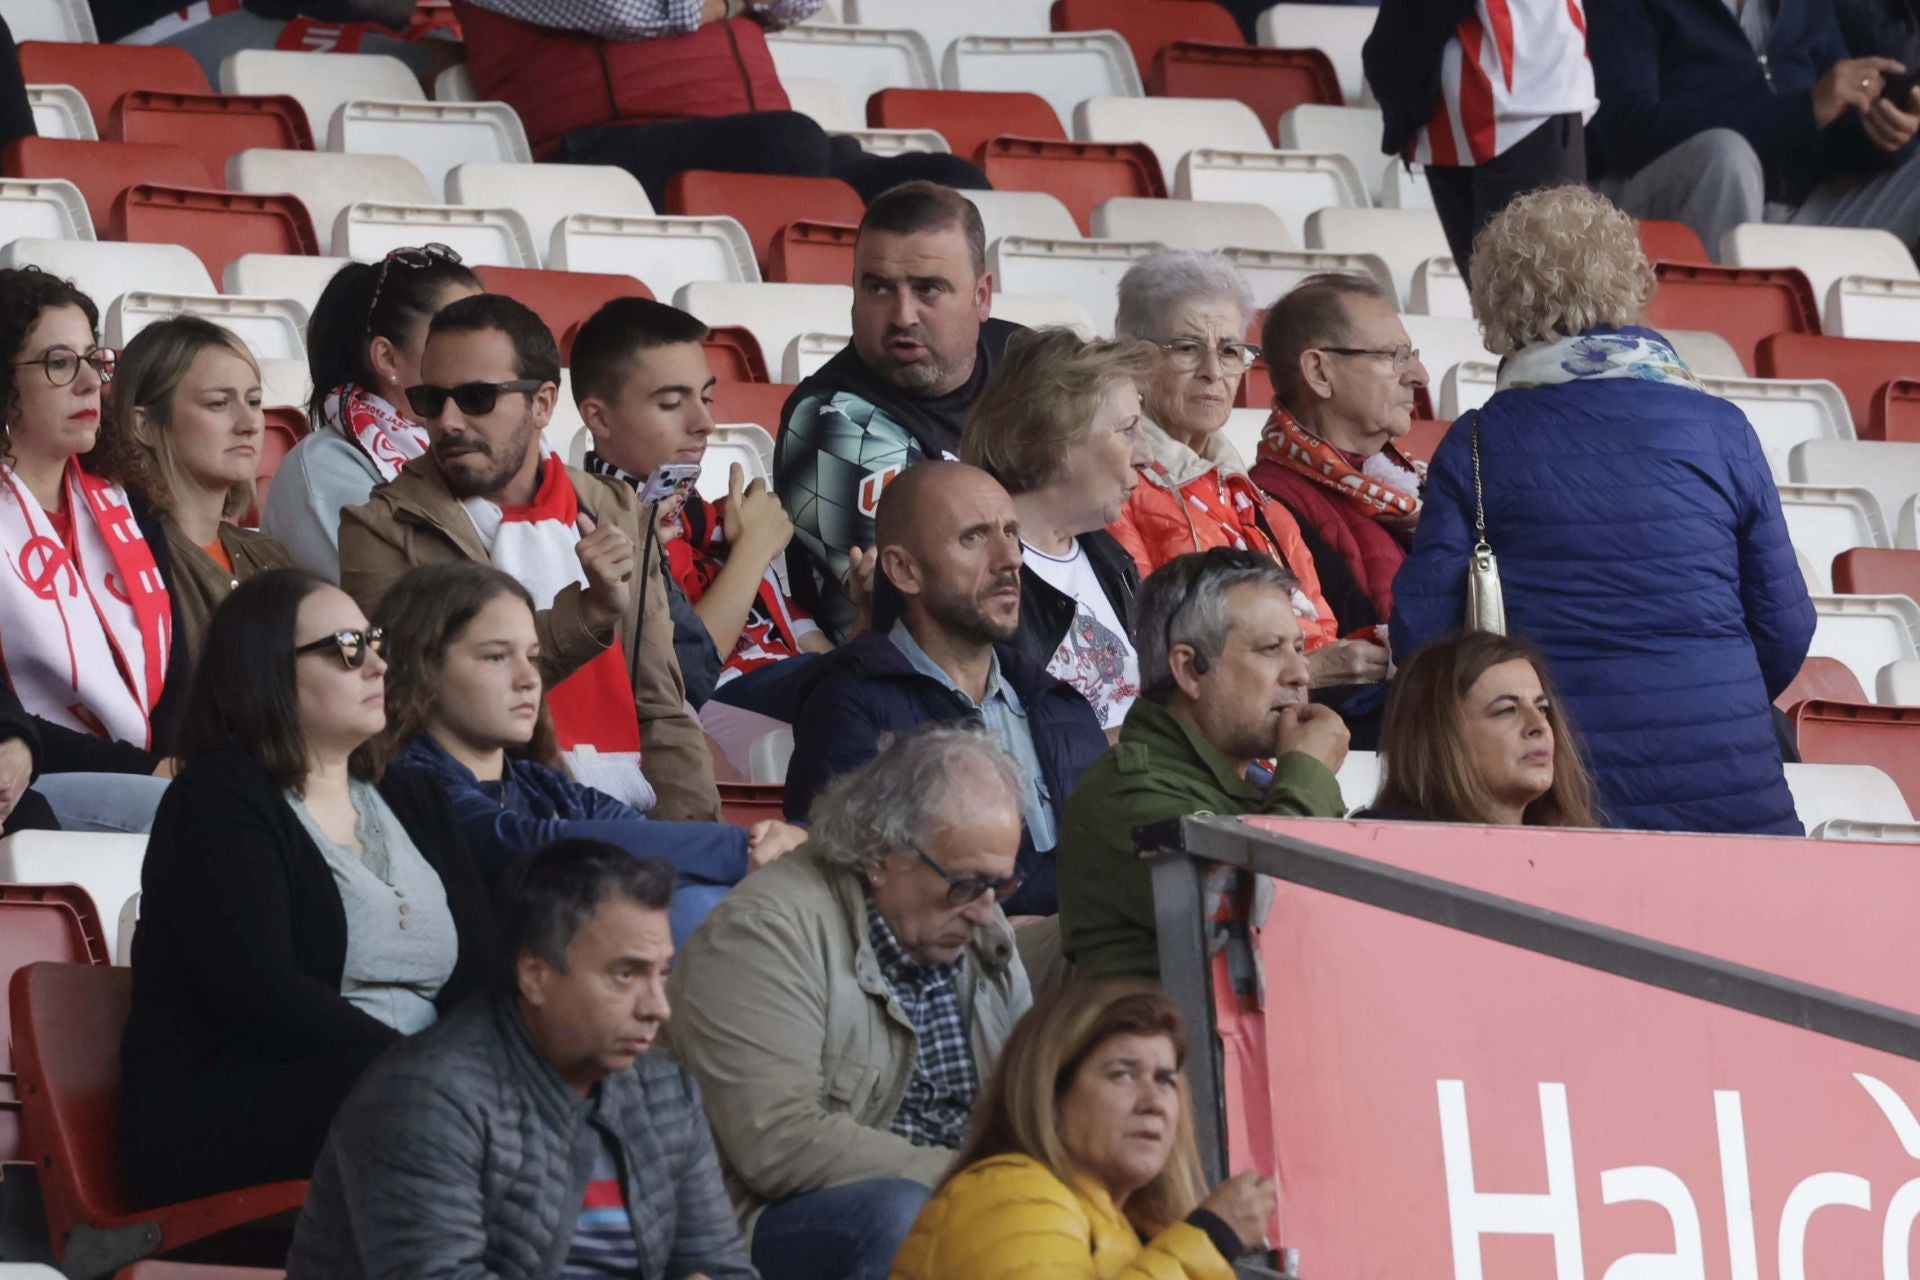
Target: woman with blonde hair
x=1081 y=1159
x=1637 y=531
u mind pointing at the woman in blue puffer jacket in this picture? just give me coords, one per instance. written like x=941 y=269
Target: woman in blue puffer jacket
x=1637 y=527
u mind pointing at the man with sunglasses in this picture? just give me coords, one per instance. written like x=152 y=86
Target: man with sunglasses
x=841 y=1008
x=486 y=490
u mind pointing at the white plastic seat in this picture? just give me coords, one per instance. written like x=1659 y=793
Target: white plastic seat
x=129 y=922
x=1823 y=521
x=1707 y=353
x=1898 y=684
x=1401 y=189
x=1824 y=253
x=482 y=237
x=455 y=84
x=1191 y=224
x=1445 y=341
x=1440 y=290
x=828 y=106
x=327 y=182
x=1065 y=68
x=1404 y=237
x=1274 y=273
x=1337 y=30
x=62 y=21
x=1292 y=184
x=861 y=60
x=1825 y=793
x=776 y=313
x=808 y=351
x=1890 y=470
x=1038 y=310
x=768 y=756
x=747 y=444
x=942 y=22
x=1243 y=430
x=106 y=865
x=1867 y=832
x=1866 y=633
x=43 y=209
x=565 y=424
x=1034 y=214
x=1463 y=386
x=663 y=253
x=547 y=194
x=1785 y=413
x=1353 y=132
x=1359 y=779
x=272 y=328
x=436 y=136
x=1088 y=271
x=105 y=269
x=1873 y=307
x=321 y=82
x=1171 y=127
x=286 y=382
x=61 y=111
x=281 y=275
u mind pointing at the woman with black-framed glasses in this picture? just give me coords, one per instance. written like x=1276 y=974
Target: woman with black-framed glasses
x=298 y=912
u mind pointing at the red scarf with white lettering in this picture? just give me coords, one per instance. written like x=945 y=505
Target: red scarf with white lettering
x=388 y=437
x=1284 y=442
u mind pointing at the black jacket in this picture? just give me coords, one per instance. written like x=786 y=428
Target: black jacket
x=240 y=1047
x=1046 y=612
x=1889 y=28
x=32 y=813
x=1402 y=62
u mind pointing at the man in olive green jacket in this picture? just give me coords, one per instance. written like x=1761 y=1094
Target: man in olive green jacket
x=1224 y=673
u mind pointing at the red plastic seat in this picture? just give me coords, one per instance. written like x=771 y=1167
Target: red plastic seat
x=734 y=355
x=1666 y=241
x=1887 y=738
x=1860 y=366
x=1895 y=414
x=1825 y=678
x=812 y=253
x=1877 y=571
x=1082 y=174
x=765 y=202
x=760 y=403
x=40 y=922
x=561 y=298
x=745 y=803
x=286 y=425
x=217 y=124
x=155 y=1269
x=219 y=226
x=968 y=120
x=67 y=1024
x=1256 y=388
x=1270 y=81
x=1150 y=25
x=1741 y=304
x=103 y=72
x=1424 y=438
x=102 y=170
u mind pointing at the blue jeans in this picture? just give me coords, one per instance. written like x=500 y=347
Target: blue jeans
x=121 y=802
x=849 y=1232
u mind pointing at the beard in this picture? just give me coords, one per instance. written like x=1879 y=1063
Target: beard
x=481 y=471
x=931 y=376
x=967 y=616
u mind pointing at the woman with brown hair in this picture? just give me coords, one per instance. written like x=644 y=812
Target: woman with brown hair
x=1475 y=733
x=1081 y=1160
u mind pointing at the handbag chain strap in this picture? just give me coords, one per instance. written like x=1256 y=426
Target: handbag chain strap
x=1479 y=501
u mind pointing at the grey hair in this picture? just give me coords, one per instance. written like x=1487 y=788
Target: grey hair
x=1161 y=281
x=916 y=783
x=1184 y=601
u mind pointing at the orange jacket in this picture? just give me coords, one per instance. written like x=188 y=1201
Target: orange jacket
x=1192 y=502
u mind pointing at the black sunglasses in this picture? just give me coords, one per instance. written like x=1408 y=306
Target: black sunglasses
x=414 y=259
x=964 y=889
x=1212 y=560
x=476 y=399
x=350 y=646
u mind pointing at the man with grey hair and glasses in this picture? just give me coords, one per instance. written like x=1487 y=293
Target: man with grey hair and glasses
x=1223 y=676
x=841 y=1008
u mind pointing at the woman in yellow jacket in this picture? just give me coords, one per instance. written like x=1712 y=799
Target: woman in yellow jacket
x=1081 y=1162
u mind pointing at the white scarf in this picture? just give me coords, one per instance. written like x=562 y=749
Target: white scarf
x=1641 y=354
x=388 y=438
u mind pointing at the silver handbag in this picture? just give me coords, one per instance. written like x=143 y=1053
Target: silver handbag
x=1486 y=610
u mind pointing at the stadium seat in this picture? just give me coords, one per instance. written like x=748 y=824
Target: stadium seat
x=967 y=120
x=323 y=82
x=327 y=183
x=1890 y=471
x=217 y=125
x=830 y=108
x=102 y=170
x=760 y=403
x=1353 y=132
x=455 y=84
x=1866 y=633
x=67 y=1024
x=272 y=328
x=942 y=22
x=1273 y=273
x=775 y=313
x=1270 y=81
x=767 y=758
x=1895 y=414
x=1824 y=793
x=1897 y=685
x=1065 y=69
x=812 y=253
x=745 y=803
x=40 y=922
x=1466 y=385
x=1823 y=522
x=861 y=60
x=1786 y=414
x=1191 y=224
x=1148 y=26
x=43 y=208
x=1359 y=779
x=1256 y=387
x=482 y=237
x=104 y=269
x=286 y=382
x=1293 y=186
x=745 y=443
x=1868 y=307
x=436 y=136
x=1877 y=571
x=1081 y=174
x=561 y=298
x=1741 y=305
x=1088 y=271
x=300 y=277
x=154 y=1269
x=1822 y=254
x=285 y=425
x=1668 y=241
x=1440 y=290
x=1821 y=678
x=106 y=865
x=63 y=20
x=1171 y=127
x=665 y=253
x=1337 y=30
x=807 y=352
x=1034 y=214
x=103 y=72
x=1404 y=186
x=59 y=111
x=1243 y=430
x=1444 y=341
x=217 y=225
x=564 y=427
x=1708 y=354
x=1039 y=310
x=547 y=194
x=1405 y=238
x=1859 y=366
x=1886 y=737
x=763 y=203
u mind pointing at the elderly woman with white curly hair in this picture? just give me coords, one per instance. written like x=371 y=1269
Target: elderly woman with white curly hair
x=1636 y=527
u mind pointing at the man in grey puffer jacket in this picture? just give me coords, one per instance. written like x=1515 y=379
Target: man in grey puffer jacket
x=530 y=1135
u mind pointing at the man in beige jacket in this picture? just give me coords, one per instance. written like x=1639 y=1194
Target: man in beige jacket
x=490 y=376
x=842 y=1007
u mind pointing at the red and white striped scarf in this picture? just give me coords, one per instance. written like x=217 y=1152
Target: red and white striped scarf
x=388 y=437
x=86 y=625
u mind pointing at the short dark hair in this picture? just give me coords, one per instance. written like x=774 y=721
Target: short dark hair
x=25 y=293
x=1313 y=314
x=535 y=354
x=545 y=900
x=359 y=305
x=604 y=349
x=913 y=207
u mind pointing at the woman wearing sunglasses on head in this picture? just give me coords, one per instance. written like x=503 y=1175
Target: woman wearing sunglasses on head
x=363 y=351
x=92 y=643
x=298 y=912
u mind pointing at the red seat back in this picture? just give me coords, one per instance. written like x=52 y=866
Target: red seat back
x=286 y=426
x=760 y=403
x=1742 y=305
x=764 y=202
x=1082 y=175
x=812 y=253
x=1256 y=388
x=966 y=119
x=1827 y=678
x=1877 y=571
x=1887 y=738
x=1860 y=366
x=40 y=922
x=734 y=355
x=219 y=226
x=102 y=170
x=218 y=125
x=745 y=803
x=103 y=72
x=1664 y=241
x=1270 y=81
x=154 y=1269
x=561 y=298
x=1895 y=414
x=1150 y=25
x=1424 y=438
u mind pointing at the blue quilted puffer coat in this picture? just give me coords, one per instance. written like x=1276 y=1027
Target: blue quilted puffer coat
x=1642 y=548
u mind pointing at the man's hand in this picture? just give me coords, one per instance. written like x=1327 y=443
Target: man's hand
x=1891 y=127
x=757 y=525
x=1318 y=731
x=862 y=563
x=1348 y=662
x=769 y=838
x=16 y=773
x=607 y=556
x=1850 y=82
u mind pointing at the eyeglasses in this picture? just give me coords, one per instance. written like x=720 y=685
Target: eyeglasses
x=1212 y=560
x=62 y=364
x=1189 y=353
x=351 y=647
x=424 y=256
x=476 y=399
x=962 y=890
x=1402 y=356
